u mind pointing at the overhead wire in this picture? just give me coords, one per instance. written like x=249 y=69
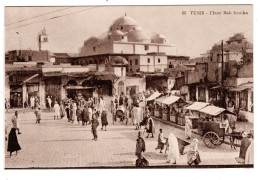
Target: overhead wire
x=55 y=17
x=36 y=16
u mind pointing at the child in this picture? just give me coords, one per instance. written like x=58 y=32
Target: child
x=38 y=115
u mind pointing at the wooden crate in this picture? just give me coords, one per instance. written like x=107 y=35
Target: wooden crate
x=181 y=121
x=173 y=119
x=165 y=117
x=156 y=113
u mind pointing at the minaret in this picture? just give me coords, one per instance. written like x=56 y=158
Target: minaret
x=44 y=41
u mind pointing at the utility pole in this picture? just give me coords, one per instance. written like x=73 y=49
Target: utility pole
x=222 y=76
x=222 y=64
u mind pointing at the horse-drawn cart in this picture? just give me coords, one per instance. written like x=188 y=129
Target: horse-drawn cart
x=210 y=125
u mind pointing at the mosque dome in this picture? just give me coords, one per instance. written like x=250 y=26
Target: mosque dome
x=125 y=20
x=138 y=36
x=124 y=23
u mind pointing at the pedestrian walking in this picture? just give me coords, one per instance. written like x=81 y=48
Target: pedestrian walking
x=90 y=111
x=74 y=112
x=150 y=129
x=225 y=124
x=161 y=141
x=137 y=116
x=79 y=115
x=121 y=99
x=193 y=155
x=245 y=142
x=173 y=151
x=188 y=126
x=67 y=108
x=62 y=110
x=16 y=122
x=101 y=105
x=140 y=146
x=116 y=102
x=104 y=120
x=249 y=159
x=146 y=117
x=95 y=124
x=85 y=115
x=140 y=149
x=39 y=116
x=36 y=112
x=56 y=108
x=49 y=102
x=32 y=101
x=13 y=144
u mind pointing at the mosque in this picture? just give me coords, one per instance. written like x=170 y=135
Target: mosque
x=144 y=51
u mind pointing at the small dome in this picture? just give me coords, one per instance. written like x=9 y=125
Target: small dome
x=161 y=36
x=117 y=33
x=138 y=36
x=124 y=20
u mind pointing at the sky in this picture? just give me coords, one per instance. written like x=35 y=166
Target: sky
x=192 y=34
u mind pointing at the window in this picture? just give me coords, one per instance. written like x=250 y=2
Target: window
x=148 y=60
x=122 y=27
x=146 y=47
x=122 y=71
x=131 y=63
x=94 y=49
x=29 y=58
x=136 y=61
x=159 y=60
x=122 y=37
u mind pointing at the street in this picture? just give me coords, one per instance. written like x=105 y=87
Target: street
x=60 y=144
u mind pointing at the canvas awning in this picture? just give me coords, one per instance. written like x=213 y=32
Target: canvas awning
x=212 y=110
x=35 y=75
x=172 y=99
x=160 y=100
x=197 y=106
x=153 y=96
x=242 y=87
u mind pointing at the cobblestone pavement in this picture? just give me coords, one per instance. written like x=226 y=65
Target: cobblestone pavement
x=58 y=144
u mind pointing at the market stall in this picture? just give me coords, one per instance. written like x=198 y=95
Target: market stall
x=150 y=101
x=194 y=112
x=158 y=111
x=172 y=105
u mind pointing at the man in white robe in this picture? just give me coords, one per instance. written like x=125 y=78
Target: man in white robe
x=56 y=110
x=173 y=152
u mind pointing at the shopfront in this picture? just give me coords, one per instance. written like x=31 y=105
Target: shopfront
x=16 y=96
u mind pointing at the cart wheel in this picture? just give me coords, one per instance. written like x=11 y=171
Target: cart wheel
x=211 y=140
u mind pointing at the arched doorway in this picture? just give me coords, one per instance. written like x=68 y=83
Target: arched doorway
x=71 y=92
x=120 y=87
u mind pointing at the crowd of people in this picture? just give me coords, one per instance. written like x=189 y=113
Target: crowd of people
x=93 y=111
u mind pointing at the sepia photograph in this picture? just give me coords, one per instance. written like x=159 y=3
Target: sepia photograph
x=116 y=87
